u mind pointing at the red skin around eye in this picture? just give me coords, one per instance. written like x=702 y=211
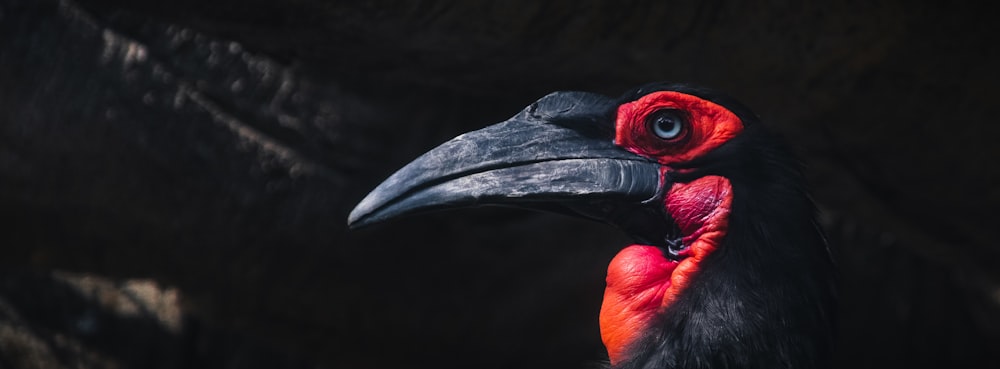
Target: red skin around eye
x=710 y=126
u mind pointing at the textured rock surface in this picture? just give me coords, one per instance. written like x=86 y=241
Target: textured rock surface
x=175 y=177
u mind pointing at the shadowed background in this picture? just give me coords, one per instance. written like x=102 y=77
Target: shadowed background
x=175 y=177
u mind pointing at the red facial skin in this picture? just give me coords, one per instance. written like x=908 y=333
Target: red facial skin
x=641 y=281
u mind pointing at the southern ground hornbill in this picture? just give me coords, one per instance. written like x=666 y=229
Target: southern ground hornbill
x=730 y=269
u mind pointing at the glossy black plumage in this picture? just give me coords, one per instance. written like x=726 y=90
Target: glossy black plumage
x=766 y=297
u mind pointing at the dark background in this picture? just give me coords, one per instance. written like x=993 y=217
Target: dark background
x=175 y=176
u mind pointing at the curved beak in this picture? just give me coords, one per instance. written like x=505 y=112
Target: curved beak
x=556 y=155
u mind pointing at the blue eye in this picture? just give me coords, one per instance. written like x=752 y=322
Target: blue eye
x=667 y=124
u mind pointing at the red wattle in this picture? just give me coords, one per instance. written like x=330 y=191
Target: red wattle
x=638 y=278
x=642 y=282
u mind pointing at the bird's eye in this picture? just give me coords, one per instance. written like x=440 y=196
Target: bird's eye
x=667 y=124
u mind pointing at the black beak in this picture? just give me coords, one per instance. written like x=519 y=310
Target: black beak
x=556 y=155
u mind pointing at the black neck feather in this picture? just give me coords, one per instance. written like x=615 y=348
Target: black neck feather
x=765 y=298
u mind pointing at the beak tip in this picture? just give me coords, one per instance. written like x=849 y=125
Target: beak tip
x=374 y=208
x=360 y=216
x=355 y=222
x=352 y=222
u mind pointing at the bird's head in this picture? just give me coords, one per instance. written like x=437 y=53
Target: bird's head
x=729 y=268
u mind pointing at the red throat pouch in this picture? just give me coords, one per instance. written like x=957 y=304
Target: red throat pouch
x=642 y=282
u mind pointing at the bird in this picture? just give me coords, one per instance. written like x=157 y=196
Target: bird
x=729 y=267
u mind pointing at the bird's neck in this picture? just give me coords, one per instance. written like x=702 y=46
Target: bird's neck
x=642 y=281
x=757 y=292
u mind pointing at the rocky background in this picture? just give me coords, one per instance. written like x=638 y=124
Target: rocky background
x=175 y=176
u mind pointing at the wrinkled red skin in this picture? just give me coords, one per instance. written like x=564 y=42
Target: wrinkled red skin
x=641 y=281
x=711 y=126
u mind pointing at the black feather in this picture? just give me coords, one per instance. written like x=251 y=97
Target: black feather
x=766 y=297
